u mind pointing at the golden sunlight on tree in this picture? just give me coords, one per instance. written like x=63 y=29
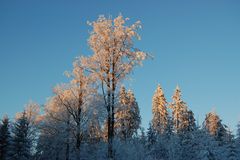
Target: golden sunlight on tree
x=114 y=57
x=93 y=116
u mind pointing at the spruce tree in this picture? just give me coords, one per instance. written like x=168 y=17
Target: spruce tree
x=127 y=116
x=123 y=98
x=179 y=112
x=187 y=141
x=213 y=125
x=151 y=136
x=21 y=141
x=191 y=121
x=205 y=147
x=231 y=147
x=238 y=140
x=159 y=110
x=134 y=112
x=122 y=116
x=4 y=138
x=238 y=131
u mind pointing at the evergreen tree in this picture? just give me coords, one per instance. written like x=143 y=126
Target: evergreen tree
x=159 y=110
x=231 y=147
x=205 y=147
x=123 y=98
x=151 y=137
x=127 y=116
x=4 y=138
x=174 y=148
x=169 y=129
x=179 y=112
x=191 y=121
x=238 y=131
x=121 y=116
x=237 y=140
x=188 y=144
x=21 y=142
x=186 y=138
x=134 y=112
x=213 y=124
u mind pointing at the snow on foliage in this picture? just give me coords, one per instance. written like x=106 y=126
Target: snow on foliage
x=93 y=116
x=159 y=110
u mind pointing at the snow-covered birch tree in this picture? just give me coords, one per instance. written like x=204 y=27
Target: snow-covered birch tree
x=114 y=58
x=76 y=97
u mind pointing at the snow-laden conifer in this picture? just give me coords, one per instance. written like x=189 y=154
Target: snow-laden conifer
x=127 y=115
x=21 y=142
x=159 y=110
x=179 y=112
x=4 y=138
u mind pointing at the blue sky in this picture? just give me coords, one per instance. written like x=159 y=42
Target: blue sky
x=195 y=44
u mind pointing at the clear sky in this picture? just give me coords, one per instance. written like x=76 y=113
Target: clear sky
x=195 y=44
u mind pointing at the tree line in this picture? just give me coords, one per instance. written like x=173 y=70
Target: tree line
x=95 y=117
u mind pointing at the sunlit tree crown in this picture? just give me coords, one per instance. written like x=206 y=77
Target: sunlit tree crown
x=159 y=110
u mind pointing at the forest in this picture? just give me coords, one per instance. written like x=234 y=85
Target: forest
x=95 y=117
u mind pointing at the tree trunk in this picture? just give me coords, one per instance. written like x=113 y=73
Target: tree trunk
x=78 y=120
x=110 y=138
x=67 y=150
x=68 y=132
x=112 y=102
x=110 y=135
x=78 y=141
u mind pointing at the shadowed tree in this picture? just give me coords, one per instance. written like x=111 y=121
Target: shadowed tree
x=4 y=138
x=21 y=142
x=73 y=98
